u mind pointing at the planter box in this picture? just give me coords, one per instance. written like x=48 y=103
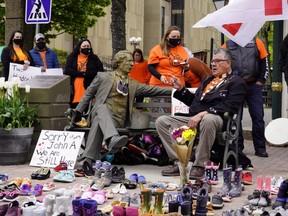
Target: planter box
x=14 y=145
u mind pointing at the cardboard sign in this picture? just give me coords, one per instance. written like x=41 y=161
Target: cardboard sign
x=16 y=70
x=54 y=147
x=178 y=106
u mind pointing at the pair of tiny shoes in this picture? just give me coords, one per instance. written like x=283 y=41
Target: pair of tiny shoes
x=79 y=189
x=37 y=190
x=130 y=185
x=100 y=197
x=44 y=174
x=135 y=178
x=120 y=188
x=65 y=176
x=48 y=186
x=88 y=194
x=11 y=196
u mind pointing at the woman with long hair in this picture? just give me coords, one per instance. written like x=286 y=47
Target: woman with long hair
x=168 y=57
x=82 y=66
x=15 y=53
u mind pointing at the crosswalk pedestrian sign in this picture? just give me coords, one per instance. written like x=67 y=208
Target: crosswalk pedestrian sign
x=38 y=11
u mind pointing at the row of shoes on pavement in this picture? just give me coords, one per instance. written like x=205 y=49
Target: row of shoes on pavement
x=59 y=202
x=256 y=211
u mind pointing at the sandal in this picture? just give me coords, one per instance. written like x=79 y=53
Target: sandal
x=48 y=186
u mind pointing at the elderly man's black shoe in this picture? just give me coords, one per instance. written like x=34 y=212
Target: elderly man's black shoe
x=171 y=171
x=261 y=153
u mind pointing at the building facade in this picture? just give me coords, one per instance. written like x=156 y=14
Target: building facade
x=149 y=19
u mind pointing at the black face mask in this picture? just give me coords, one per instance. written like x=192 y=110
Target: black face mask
x=174 y=42
x=18 y=41
x=86 y=51
x=41 y=45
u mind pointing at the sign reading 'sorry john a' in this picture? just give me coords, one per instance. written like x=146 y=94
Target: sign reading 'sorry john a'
x=56 y=146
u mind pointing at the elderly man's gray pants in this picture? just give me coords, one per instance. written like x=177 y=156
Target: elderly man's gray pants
x=209 y=125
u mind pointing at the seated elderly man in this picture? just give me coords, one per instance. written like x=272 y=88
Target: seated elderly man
x=114 y=94
x=221 y=92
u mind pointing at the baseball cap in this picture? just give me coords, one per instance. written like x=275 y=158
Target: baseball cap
x=38 y=36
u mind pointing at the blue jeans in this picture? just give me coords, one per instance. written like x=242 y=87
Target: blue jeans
x=254 y=100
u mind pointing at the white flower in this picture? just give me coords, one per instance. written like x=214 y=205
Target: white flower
x=27 y=88
x=8 y=85
x=2 y=80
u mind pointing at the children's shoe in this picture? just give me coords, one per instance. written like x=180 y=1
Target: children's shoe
x=37 y=190
x=62 y=166
x=100 y=197
x=25 y=189
x=16 y=182
x=65 y=176
x=3 y=209
x=14 y=209
x=89 y=207
x=77 y=206
x=247 y=178
x=3 y=178
x=259 y=182
x=12 y=196
x=48 y=186
x=44 y=174
x=3 y=194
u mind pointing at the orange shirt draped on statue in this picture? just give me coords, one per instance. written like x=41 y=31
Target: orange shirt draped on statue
x=168 y=64
x=139 y=72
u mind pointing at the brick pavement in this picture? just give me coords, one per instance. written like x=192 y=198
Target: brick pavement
x=275 y=165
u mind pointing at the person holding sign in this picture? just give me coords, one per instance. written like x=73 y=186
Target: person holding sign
x=15 y=53
x=82 y=66
x=43 y=56
x=115 y=93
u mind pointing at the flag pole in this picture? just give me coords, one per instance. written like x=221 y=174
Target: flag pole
x=276 y=85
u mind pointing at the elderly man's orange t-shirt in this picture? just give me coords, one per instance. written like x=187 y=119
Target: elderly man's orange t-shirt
x=167 y=64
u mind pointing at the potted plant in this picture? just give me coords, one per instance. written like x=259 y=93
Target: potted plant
x=17 y=119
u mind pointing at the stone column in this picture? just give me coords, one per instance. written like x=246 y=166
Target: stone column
x=15 y=20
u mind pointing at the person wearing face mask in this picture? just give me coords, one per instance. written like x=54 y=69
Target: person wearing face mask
x=82 y=66
x=15 y=53
x=168 y=57
x=43 y=56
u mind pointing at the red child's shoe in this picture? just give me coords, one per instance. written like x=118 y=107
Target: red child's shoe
x=247 y=178
x=61 y=166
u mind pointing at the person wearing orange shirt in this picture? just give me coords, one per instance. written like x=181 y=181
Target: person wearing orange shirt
x=139 y=70
x=15 y=53
x=168 y=57
x=82 y=66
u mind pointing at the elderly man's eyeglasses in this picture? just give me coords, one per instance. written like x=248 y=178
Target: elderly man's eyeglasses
x=216 y=61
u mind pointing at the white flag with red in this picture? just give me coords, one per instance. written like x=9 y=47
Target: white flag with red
x=240 y=20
